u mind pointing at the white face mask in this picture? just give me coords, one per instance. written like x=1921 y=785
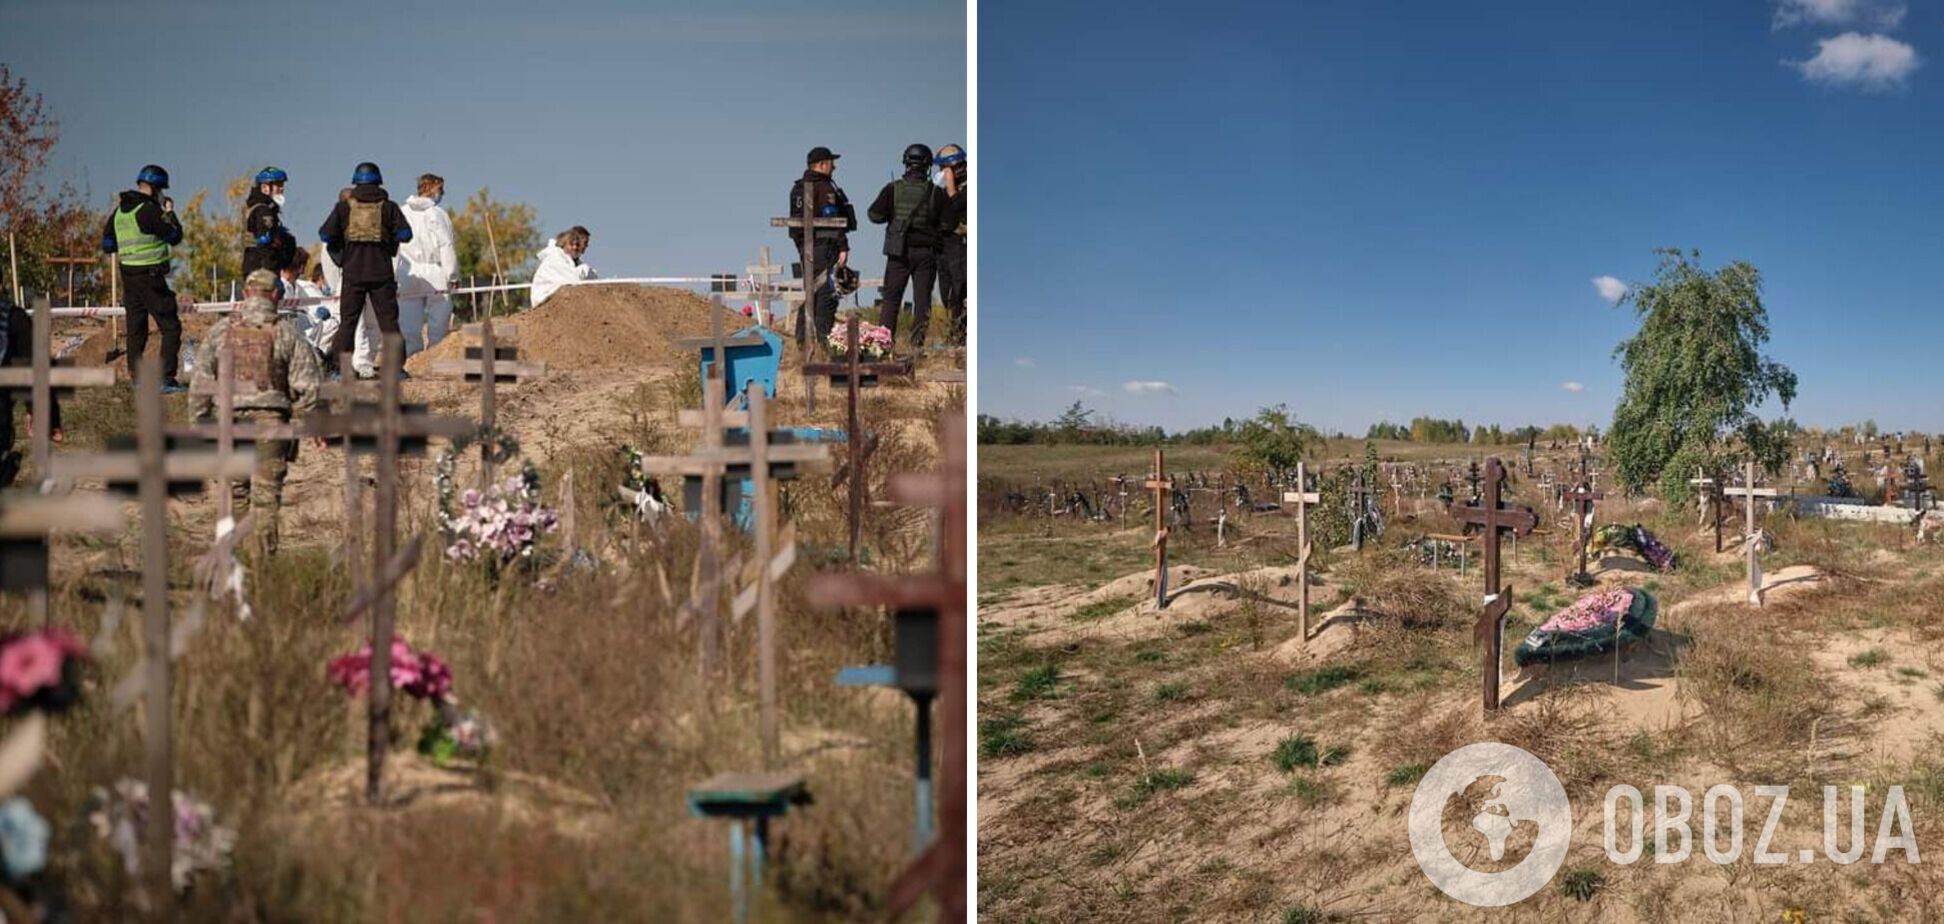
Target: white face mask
x=278 y=199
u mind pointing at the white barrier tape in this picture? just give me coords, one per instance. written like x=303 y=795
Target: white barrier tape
x=298 y=304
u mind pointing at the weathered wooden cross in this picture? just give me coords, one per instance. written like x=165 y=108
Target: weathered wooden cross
x=44 y=381
x=1491 y=514
x=941 y=868
x=1748 y=492
x=1302 y=497
x=853 y=373
x=1583 y=498
x=154 y=472
x=394 y=429
x=1163 y=493
x=491 y=357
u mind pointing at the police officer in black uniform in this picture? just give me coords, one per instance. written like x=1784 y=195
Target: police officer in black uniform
x=912 y=209
x=142 y=232
x=267 y=244
x=952 y=278
x=832 y=245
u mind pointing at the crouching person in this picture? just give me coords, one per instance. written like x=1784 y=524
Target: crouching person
x=277 y=376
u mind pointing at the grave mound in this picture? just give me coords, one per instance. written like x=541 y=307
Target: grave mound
x=413 y=784
x=597 y=327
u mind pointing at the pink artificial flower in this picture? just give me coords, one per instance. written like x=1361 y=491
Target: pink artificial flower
x=30 y=663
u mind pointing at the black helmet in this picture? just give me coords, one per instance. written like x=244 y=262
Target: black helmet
x=367 y=174
x=917 y=155
x=154 y=176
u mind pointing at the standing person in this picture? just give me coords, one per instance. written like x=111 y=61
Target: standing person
x=952 y=278
x=427 y=315
x=274 y=385
x=267 y=243
x=141 y=231
x=560 y=263
x=362 y=234
x=911 y=208
x=831 y=246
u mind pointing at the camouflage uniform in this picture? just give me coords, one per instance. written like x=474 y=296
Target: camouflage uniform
x=277 y=376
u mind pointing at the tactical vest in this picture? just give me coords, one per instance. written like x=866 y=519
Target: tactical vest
x=253 y=350
x=134 y=246
x=366 y=224
x=910 y=207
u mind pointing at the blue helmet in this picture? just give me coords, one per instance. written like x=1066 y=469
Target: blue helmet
x=154 y=176
x=272 y=175
x=949 y=155
x=367 y=174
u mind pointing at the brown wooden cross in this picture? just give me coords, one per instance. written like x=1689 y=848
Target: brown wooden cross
x=155 y=472
x=491 y=357
x=1302 y=497
x=1709 y=500
x=1494 y=517
x=1163 y=493
x=854 y=373
x=1748 y=492
x=941 y=868
x=1583 y=497
x=390 y=425
x=43 y=379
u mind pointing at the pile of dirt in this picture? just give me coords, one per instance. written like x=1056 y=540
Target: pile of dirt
x=594 y=327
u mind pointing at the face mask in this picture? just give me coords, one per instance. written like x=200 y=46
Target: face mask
x=278 y=199
x=438 y=198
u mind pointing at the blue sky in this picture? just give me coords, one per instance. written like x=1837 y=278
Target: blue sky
x=1188 y=214
x=671 y=130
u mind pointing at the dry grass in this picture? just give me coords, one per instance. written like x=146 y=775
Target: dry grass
x=592 y=683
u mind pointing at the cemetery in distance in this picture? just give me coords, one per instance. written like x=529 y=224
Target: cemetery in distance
x=1213 y=668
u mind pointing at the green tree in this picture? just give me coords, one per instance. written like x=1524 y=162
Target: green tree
x=210 y=256
x=495 y=238
x=1272 y=441
x=1695 y=374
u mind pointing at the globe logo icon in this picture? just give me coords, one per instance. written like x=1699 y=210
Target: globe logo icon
x=1514 y=802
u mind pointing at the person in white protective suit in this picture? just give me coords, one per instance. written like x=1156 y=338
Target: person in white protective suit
x=322 y=316
x=424 y=308
x=303 y=300
x=560 y=264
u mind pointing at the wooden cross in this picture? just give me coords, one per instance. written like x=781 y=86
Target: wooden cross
x=1709 y=500
x=1491 y=514
x=941 y=868
x=1397 y=494
x=1583 y=497
x=714 y=460
x=395 y=430
x=26 y=523
x=491 y=357
x=855 y=374
x=1748 y=492
x=154 y=472
x=1302 y=497
x=1163 y=492
x=44 y=381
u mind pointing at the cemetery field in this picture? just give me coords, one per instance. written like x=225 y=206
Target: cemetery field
x=582 y=659
x=1206 y=763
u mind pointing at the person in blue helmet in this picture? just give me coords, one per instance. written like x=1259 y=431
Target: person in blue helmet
x=141 y=231
x=952 y=278
x=267 y=244
x=362 y=235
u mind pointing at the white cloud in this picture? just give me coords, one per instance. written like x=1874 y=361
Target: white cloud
x=1086 y=391
x=1574 y=387
x=1610 y=288
x=1025 y=362
x=1147 y=388
x=1872 y=62
x=1881 y=14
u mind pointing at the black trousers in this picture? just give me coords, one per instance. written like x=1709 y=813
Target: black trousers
x=952 y=282
x=384 y=307
x=147 y=295
x=918 y=266
x=822 y=308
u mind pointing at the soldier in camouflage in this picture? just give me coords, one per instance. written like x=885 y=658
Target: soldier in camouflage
x=277 y=374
